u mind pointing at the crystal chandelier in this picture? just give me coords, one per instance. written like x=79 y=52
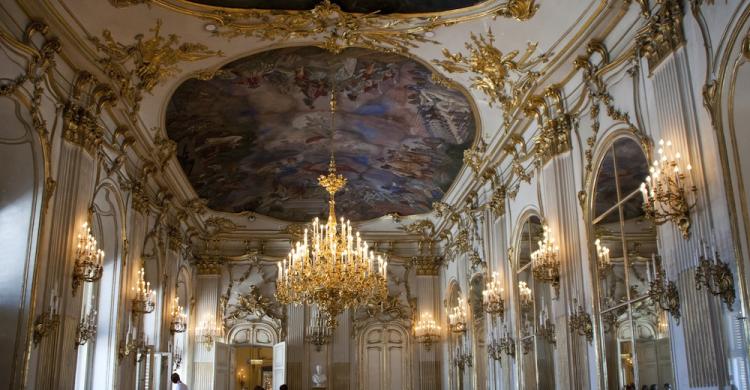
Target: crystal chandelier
x=332 y=267
x=144 y=300
x=663 y=191
x=602 y=256
x=544 y=262
x=457 y=317
x=426 y=331
x=178 y=324
x=492 y=297
x=89 y=258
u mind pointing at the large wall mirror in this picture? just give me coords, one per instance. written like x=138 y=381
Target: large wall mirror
x=537 y=369
x=634 y=332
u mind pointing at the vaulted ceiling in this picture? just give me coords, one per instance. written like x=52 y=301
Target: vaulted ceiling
x=255 y=136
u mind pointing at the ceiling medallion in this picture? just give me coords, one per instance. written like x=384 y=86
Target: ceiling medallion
x=337 y=28
x=332 y=268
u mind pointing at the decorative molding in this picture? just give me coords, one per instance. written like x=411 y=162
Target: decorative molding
x=504 y=78
x=427 y=265
x=81 y=112
x=334 y=29
x=142 y=65
x=662 y=34
x=209 y=266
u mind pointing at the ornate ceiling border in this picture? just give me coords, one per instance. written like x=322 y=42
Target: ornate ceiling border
x=339 y=29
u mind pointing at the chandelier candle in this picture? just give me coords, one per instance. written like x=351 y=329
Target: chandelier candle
x=334 y=268
x=545 y=264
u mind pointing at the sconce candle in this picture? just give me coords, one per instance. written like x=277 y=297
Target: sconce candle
x=664 y=190
x=544 y=261
x=179 y=320
x=144 y=300
x=88 y=260
x=492 y=297
x=457 y=317
x=602 y=257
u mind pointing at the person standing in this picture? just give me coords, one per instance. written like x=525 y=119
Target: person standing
x=178 y=385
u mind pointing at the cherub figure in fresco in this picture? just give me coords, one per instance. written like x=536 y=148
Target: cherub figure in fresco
x=311 y=87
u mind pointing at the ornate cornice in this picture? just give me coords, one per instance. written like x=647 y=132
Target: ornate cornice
x=335 y=29
x=209 y=266
x=662 y=34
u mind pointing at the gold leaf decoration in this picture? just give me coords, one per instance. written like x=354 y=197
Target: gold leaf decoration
x=504 y=78
x=142 y=65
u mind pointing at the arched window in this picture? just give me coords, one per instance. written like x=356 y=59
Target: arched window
x=634 y=334
x=536 y=363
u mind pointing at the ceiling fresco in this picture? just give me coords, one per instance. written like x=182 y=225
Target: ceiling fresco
x=255 y=137
x=354 y=6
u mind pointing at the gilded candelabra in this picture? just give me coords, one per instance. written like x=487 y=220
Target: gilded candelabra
x=48 y=321
x=665 y=189
x=604 y=263
x=88 y=258
x=525 y=297
x=457 y=317
x=546 y=328
x=144 y=296
x=178 y=323
x=544 y=261
x=207 y=333
x=132 y=345
x=716 y=277
x=504 y=345
x=580 y=322
x=176 y=359
x=318 y=333
x=662 y=291
x=333 y=269
x=492 y=297
x=427 y=331
x=86 y=328
x=462 y=357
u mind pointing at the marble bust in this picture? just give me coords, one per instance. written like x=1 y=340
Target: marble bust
x=319 y=378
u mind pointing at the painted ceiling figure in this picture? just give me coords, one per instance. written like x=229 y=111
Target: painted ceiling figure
x=255 y=137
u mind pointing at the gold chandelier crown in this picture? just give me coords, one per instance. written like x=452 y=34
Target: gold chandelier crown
x=332 y=267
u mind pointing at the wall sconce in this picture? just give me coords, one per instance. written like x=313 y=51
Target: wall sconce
x=545 y=264
x=241 y=377
x=716 y=277
x=86 y=328
x=207 y=333
x=178 y=324
x=580 y=322
x=318 y=332
x=144 y=301
x=48 y=321
x=525 y=297
x=457 y=317
x=176 y=359
x=663 y=292
x=663 y=191
x=462 y=356
x=88 y=260
x=602 y=258
x=504 y=345
x=492 y=297
x=132 y=345
x=427 y=331
x=546 y=328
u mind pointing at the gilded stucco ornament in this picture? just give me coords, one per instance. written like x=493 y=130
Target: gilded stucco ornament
x=474 y=156
x=140 y=66
x=746 y=46
x=81 y=112
x=332 y=28
x=662 y=34
x=505 y=78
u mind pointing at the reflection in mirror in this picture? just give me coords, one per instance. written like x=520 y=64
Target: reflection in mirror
x=536 y=358
x=634 y=332
x=477 y=285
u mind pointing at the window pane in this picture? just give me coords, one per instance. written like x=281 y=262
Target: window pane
x=632 y=166
x=605 y=194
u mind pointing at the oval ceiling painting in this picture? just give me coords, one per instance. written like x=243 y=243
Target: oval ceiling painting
x=256 y=136
x=353 y=6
